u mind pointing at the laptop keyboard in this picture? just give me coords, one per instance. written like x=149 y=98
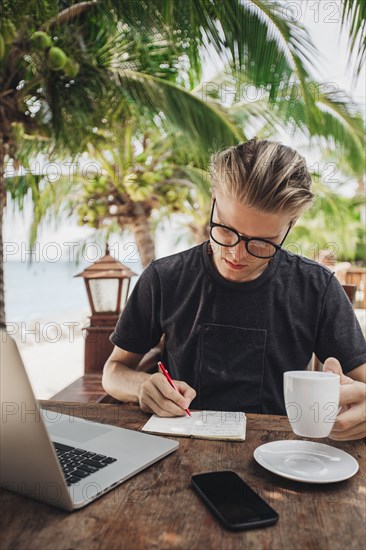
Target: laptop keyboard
x=78 y=463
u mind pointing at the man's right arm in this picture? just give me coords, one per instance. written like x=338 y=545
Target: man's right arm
x=120 y=379
x=153 y=392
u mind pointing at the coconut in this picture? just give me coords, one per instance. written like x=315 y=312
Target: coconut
x=56 y=58
x=41 y=40
x=71 y=68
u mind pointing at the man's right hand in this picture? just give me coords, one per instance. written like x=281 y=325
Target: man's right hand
x=157 y=396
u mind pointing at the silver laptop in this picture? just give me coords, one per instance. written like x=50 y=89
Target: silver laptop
x=58 y=459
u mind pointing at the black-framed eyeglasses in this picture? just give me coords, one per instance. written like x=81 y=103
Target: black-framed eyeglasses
x=227 y=236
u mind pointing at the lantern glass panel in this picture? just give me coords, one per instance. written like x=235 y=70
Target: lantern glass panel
x=104 y=293
x=125 y=285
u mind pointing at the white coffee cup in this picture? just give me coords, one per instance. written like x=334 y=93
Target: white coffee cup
x=312 y=401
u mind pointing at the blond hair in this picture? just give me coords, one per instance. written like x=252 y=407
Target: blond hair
x=263 y=174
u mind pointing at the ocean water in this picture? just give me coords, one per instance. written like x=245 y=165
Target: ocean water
x=46 y=290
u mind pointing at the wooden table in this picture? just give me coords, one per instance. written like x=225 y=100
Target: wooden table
x=86 y=389
x=156 y=509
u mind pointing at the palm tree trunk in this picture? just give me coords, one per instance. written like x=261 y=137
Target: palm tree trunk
x=2 y=206
x=361 y=191
x=65 y=15
x=145 y=243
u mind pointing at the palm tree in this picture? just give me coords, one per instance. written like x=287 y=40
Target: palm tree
x=56 y=99
x=147 y=178
x=58 y=85
x=135 y=176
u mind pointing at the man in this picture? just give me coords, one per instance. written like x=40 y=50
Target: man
x=238 y=311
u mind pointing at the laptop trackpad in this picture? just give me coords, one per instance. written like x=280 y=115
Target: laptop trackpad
x=77 y=431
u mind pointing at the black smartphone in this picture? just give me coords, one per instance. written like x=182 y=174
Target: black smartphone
x=232 y=501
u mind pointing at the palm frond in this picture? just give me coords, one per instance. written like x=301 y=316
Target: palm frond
x=354 y=14
x=252 y=36
x=344 y=128
x=336 y=119
x=22 y=185
x=200 y=178
x=207 y=127
x=278 y=50
x=336 y=123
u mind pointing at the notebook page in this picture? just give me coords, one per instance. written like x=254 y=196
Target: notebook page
x=170 y=425
x=219 y=424
x=214 y=424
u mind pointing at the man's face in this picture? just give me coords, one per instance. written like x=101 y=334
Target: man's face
x=235 y=263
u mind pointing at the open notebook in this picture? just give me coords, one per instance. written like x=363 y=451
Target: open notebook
x=202 y=425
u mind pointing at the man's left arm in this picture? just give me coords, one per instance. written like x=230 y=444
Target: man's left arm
x=350 y=423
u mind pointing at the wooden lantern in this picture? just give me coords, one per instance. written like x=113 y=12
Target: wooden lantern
x=107 y=284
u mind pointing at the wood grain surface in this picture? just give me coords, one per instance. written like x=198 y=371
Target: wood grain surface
x=87 y=388
x=157 y=509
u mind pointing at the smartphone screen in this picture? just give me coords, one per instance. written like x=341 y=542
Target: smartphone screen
x=233 y=502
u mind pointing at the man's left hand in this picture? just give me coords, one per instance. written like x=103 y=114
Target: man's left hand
x=350 y=423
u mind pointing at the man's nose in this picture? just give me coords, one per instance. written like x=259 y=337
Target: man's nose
x=239 y=251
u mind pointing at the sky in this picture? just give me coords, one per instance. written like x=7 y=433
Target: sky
x=322 y=19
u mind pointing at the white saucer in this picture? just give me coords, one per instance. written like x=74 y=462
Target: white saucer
x=306 y=461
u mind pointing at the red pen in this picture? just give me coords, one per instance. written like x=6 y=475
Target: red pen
x=168 y=377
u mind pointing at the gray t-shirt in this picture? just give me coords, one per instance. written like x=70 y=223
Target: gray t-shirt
x=233 y=341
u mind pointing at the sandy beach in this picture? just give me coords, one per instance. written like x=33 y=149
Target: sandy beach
x=52 y=366
x=52 y=350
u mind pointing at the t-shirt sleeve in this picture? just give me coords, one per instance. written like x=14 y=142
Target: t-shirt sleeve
x=138 y=328
x=339 y=333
